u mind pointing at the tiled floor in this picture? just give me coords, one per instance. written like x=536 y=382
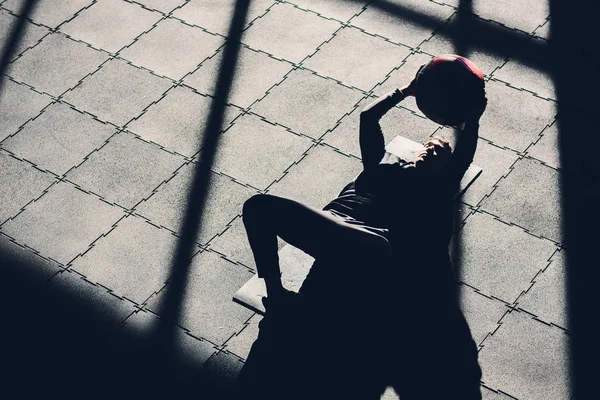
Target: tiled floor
x=103 y=109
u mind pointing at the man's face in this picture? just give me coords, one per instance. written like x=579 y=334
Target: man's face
x=433 y=157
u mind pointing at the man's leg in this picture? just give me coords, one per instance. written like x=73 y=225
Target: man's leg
x=313 y=231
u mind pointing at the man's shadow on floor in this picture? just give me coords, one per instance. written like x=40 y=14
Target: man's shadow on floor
x=353 y=344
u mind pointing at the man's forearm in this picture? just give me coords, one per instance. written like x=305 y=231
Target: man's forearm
x=372 y=145
x=467 y=144
x=463 y=154
x=382 y=105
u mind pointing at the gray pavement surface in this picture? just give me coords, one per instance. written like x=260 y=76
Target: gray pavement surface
x=102 y=113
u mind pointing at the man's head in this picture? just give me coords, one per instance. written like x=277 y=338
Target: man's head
x=434 y=156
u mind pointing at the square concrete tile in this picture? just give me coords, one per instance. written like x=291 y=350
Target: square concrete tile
x=172 y=48
x=289 y=33
x=527 y=359
x=524 y=15
x=241 y=342
x=530 y=197
x=255 y=73
x=403 y=75
x=233 y=244
x=307 y=103
x=31 y=34
x=400 y=121
x=499 y=259
x=111 y=24
x=133 y=260
x=165 y=6
x=21 y=183
x=523 y=76
x=495 y=162
x=187 y=349
x=126 y=170
x=65 y=62
x=334 y=171
x=215 y=15
x=118 y=92
x=514 y=118
x=547 y=298
x=345 y=135
x=393 y=20
x=62 y=223
x=547 y=149
x=18 y=104
x=177 y=121
x=486 y=60
x=105 y=307
x=25 y=263
x=349 y=57
x=411 y=104
x=340 y=10
x=207 y=309
x=59 y=138
x=257 y=153
x=482 y=313
x=168 y=205
x=47 y=13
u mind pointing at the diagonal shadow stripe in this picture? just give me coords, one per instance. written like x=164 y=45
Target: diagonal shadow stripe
x=475 y=33
x=576 y=63
x=171 y=304
x=15 y=37
x=461 y=47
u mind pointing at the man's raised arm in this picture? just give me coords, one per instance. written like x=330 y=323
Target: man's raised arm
x=463 y=153
x=466 y=144
x=372 y=144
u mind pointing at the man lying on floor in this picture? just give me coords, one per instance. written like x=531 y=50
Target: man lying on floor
x=381 y=259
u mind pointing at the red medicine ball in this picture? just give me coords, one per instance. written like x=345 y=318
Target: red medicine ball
x=448 y=87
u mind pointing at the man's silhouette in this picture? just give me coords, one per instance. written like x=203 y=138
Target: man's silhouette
x=378 y=247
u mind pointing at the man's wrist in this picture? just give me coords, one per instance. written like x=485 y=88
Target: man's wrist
x=399 y=92
x=405 y=91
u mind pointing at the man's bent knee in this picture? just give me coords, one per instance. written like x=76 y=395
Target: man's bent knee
x=255 y=206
